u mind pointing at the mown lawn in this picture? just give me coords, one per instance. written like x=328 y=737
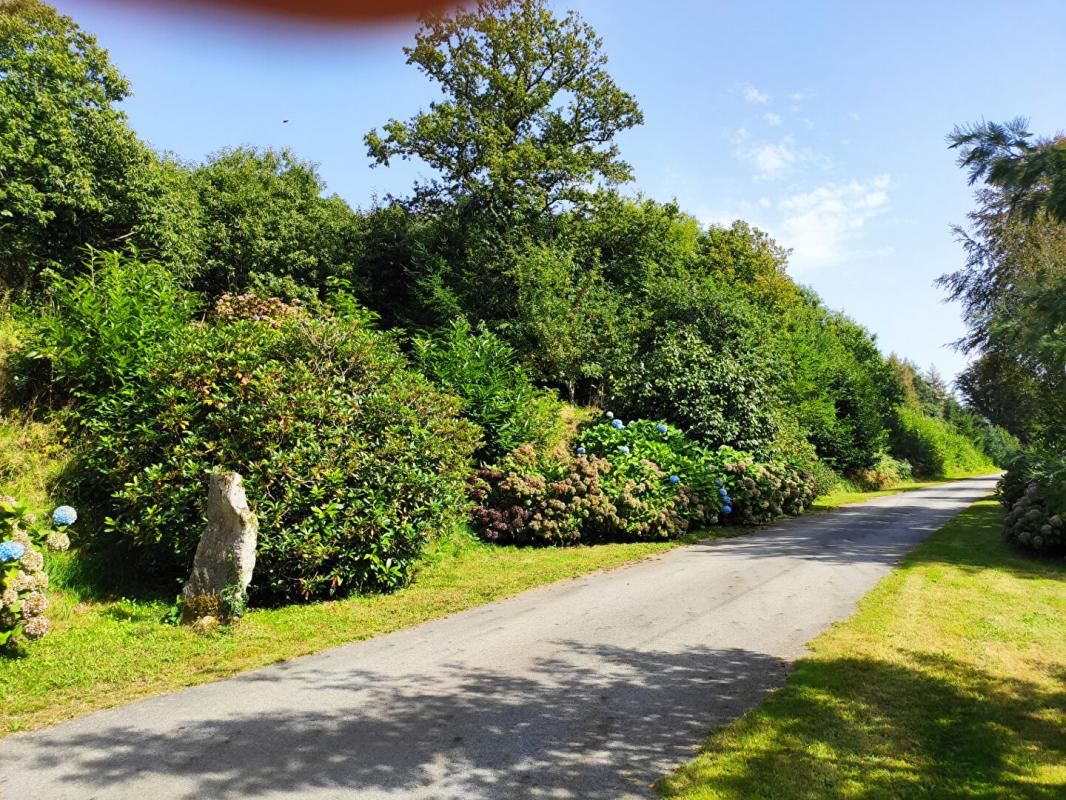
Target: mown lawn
x=949 y=682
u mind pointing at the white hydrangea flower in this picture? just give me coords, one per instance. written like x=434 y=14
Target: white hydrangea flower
x=36 y=627
x=32 y=561
x=23 y=582
x=34 y=604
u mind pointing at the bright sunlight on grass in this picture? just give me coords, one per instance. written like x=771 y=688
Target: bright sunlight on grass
x=948 y=682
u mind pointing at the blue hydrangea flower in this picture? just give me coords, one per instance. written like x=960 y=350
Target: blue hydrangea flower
x=660 y=428
x=581 y=451
x=727 y=499
x=64 y=515
x=618 y=424
x=674 y=479
x=723 y=493
x=609 y=415
x=624 y=449
x=727 y=509
x=720 y=482
x=11 y=551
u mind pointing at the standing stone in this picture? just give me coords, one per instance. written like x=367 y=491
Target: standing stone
x=225 y=556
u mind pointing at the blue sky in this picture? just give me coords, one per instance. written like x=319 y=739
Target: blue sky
x=822 y=123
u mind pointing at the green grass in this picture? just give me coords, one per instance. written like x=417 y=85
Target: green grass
x=949 y=682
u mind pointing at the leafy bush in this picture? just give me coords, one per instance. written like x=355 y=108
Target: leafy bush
x=351 y=460
x=886 y=473
x=535 y=499
x=497 y=394
x=104 y=327
x=755 y=491
x=717 y=396
x=763 y=491
x=1034 y=489
x=932 y=446
x=641 y=480
x=23 y=579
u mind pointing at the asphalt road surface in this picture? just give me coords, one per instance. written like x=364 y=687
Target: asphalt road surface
x=589 y=688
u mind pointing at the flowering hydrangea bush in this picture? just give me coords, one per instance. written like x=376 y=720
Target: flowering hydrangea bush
x=760 y=491
x=632 y=480
x=1034 y=491
x=532 y=499
x=23 y=580
x=270 y=310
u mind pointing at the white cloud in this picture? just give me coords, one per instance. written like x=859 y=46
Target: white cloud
x=772 y=119
x=772 y=160
x=822 y=226
x=854 y=115
x=753 y=95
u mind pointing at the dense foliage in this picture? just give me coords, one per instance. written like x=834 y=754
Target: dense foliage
x=626 y=482
x=1013 y=285
x=528 y=114
x=1034 y=491
x=351 y=459
x=1013 y=293
x=479 y=368
x=72 y=173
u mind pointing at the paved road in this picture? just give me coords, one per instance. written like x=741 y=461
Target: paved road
x=591 y=688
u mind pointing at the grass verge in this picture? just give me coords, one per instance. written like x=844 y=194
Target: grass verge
x=950 y=681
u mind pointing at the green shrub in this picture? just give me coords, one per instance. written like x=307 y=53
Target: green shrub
x=715 y=395
x=479 y=368
x=102 y=328
x=529 y=498
x=754 y=490
x=351 y=460
x=932 y=446
x=642 y=480
x=762 y=491
x=886 y=473
x=1034 y=491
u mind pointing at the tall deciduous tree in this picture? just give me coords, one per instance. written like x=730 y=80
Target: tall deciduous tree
x=71 y=172
x=264 y=218
x=528 y=115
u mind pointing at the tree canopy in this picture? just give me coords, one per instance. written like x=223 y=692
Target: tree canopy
x=528 y=115
x=71 y=172
x=1029 y=173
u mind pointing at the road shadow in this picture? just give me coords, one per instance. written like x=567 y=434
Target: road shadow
x=591 y=722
